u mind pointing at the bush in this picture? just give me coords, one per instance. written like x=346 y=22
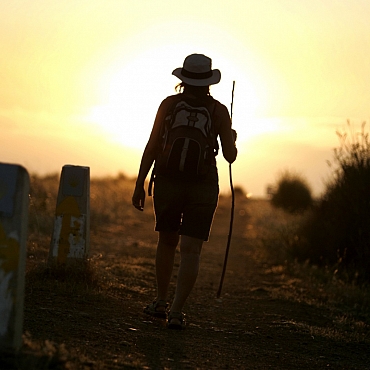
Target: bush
x=292 y=193
x=337 y=232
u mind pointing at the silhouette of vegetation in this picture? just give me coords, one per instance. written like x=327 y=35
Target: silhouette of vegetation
x=337 y=232
x=65 y=309
x=292 y=193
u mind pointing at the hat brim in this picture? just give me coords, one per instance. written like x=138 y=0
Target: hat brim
x=214 y=79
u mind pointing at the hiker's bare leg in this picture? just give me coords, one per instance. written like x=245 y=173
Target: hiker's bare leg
x=167 y=243
x=190 y=249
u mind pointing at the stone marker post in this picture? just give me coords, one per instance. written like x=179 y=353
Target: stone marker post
x=14 y=190
x=70 y=239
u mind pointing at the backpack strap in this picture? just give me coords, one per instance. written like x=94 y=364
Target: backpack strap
x=213 y=128
x=151 y=181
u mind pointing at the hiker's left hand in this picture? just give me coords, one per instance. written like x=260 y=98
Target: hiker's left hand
x=138 y=199
x=234 y=135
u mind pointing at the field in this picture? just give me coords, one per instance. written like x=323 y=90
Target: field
x=271 y=313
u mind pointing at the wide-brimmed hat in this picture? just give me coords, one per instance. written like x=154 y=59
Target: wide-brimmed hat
x=197 y=71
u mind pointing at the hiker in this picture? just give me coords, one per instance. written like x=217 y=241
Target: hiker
x=183 y=144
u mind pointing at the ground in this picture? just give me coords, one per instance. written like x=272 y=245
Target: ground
x=264 y=318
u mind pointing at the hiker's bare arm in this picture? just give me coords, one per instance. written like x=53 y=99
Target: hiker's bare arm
x=227 y=135
x=149 y=155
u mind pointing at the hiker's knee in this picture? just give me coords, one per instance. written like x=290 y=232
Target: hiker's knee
x=190 y=245
x=169 y=238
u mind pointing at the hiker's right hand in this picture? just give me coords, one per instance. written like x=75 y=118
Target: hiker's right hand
x=234 y=135
x=138 y=199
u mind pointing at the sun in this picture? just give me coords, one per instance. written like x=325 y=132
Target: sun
x=131 y=93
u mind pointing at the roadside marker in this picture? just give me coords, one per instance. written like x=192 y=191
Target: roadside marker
x=70 y=239
x=14 y=190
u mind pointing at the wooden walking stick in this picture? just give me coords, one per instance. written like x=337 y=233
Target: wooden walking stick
x=232 y=208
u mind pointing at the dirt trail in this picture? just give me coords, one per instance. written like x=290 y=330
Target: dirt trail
x=252 y=325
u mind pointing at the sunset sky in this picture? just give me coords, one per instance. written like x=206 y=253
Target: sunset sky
x=81 y=81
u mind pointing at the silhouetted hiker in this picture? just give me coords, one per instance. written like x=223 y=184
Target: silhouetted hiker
x=183 y=143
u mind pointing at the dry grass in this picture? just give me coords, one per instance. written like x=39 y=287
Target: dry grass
x=275 y=233
x=271 y=232
x=271 y=229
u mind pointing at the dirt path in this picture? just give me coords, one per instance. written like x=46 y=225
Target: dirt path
x=254 y=325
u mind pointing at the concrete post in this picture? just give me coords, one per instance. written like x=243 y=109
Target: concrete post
x=70 y=239
x=14 y=191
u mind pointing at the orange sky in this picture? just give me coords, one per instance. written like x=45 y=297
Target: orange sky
x=81 y=80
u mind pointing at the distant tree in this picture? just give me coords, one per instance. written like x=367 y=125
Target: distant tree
x=292 y=193
x=239 y=191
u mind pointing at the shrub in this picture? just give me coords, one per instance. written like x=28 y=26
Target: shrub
x=338 y=230
x=292 y=193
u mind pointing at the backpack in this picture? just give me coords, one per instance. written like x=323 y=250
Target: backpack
x=189 y=143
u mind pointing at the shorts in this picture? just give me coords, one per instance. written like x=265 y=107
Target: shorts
x=186 y=206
